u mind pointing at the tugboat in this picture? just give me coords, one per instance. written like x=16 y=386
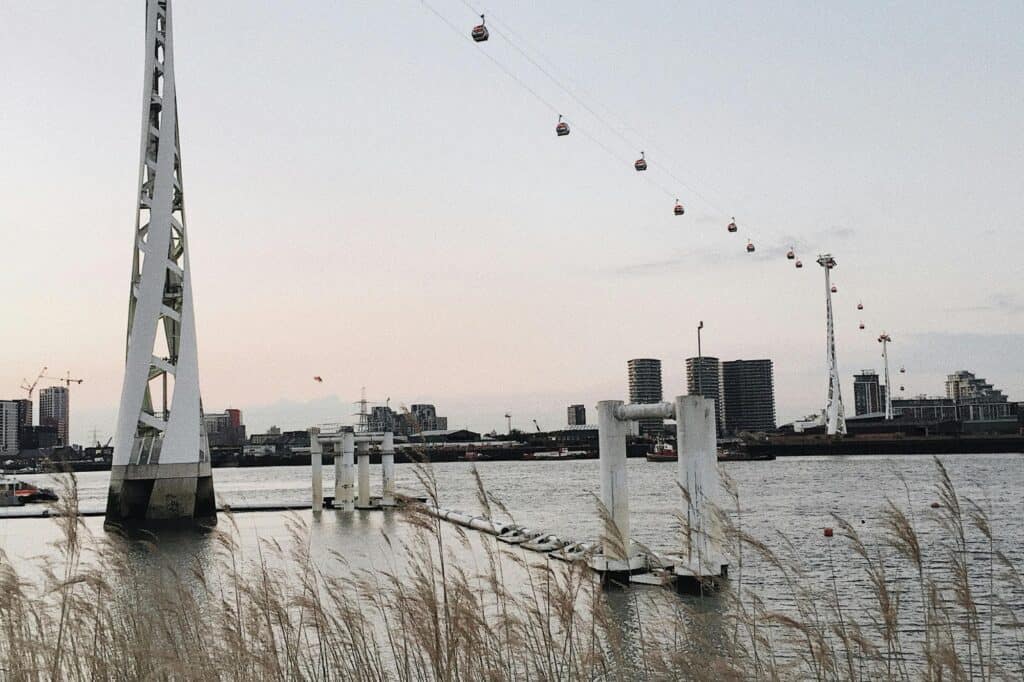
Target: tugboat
x=24 y=492
x=662 y=452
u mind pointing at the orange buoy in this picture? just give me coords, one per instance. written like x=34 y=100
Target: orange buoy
x=828 y=532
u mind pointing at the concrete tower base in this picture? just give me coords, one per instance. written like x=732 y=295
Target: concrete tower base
x=161 y=495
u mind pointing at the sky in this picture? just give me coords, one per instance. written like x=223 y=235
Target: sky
x=373 y=199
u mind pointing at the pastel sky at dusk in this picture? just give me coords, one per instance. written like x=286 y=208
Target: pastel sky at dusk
x=372 y=200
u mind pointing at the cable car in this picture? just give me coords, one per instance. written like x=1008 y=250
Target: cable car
x=862 y=325
x=750 y=247
x=903 y=370
x=480 y=33
x=901 y=388
x=835 y=289
x=732 y=226
x=562 y=129
x=790 y=254
x=860 y=306
x=641 y=163
x=678 y=210
x=799 y=264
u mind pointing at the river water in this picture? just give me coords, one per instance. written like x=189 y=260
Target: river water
x=791 y=497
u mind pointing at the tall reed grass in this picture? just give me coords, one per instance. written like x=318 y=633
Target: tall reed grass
x=454 y=606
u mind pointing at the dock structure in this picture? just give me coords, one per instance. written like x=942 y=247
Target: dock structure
x=701 y=565
x=348 y=448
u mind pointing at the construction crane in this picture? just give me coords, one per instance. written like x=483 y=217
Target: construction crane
x=67 y=380
x=30 y=388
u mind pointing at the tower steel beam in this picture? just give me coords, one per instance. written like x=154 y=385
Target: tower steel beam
x=161 y=466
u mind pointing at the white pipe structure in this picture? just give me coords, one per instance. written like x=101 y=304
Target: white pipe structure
x=316 y=460
x=344 y=472
x=697 y=448
x=363 y=458
x=387 y=465
x=698 y=474
x=613 y=417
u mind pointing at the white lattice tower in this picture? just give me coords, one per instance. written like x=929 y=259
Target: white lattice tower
x=885 y=340
x=161 y=467
x=835 y=418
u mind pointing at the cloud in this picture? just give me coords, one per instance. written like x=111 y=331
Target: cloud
x=1004 y=302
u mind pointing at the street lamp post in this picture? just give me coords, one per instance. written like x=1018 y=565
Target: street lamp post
x=700 y=363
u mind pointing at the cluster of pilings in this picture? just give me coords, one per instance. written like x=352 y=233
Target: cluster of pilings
x=349 y=447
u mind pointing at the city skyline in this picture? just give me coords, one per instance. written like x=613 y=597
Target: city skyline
x=267 y=287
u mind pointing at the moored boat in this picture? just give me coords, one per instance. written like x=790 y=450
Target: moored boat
x=662 y=452
x=24 y=492
x=561 y=453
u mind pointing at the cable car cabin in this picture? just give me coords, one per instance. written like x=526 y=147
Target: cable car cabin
x=732 y=226
x=790 y=255
x=678 y=210
x=860 y=306
x=903 y=370
x=862 y=325
x=480 y=33
x=901 y=388
x=641 y=163
x=835 y=290
x=799 y=264
x=562 y=129
x=750 y=247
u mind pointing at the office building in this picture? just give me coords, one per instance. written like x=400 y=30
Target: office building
x=224 y=429
x=703 y=378
x=868 y=393
x=645 y=388
x=577 y=415
x=9 y=426
x=53 y=411
x=426 y=418
x=748 y=396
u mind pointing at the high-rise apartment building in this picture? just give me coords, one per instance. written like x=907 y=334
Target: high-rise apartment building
x=9 y=426
x=748 y=396
x=868 y=393
x=645 y=387
x=24 y=412
x=577 y=415
x=53 y=411
x=703 y=378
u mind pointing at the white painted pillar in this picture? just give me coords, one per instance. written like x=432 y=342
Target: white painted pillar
x=316 y=450
x=387 y=465
x=363 y=452
x=697 y=443
x=612 y=434
x=344 y=471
